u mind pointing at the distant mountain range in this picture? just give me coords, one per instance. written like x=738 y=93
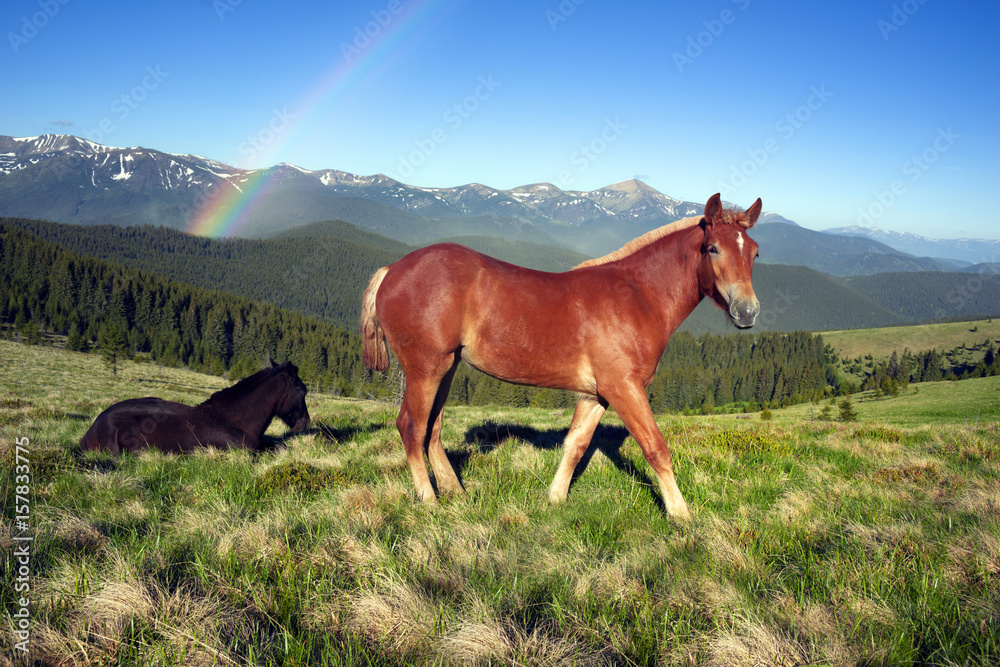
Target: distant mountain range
x=68 y=179
x=970 y=251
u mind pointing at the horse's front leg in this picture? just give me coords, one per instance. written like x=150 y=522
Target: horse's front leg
x=589 y=410
x=630 y=402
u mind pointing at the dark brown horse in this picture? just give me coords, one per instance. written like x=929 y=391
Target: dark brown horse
x=233 y=417
x=598 y=330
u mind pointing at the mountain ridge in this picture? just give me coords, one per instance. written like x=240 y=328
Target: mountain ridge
x=73 y=180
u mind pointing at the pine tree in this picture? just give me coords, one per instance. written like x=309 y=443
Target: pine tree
x=847 y=411
x=74 y=341
x=111 y=341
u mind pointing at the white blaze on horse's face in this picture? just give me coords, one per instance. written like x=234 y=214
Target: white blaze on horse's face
x=730 y=254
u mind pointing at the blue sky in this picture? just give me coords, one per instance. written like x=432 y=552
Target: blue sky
x=857 y=112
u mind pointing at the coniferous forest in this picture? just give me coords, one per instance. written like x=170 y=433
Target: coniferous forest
x=105 y=308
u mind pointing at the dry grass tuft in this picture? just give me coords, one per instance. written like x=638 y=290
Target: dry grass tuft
x=610 y=583
x=73 y=533
x=397 y=615
x=194 y=626
x=982 y=500
x=490 y=641
x=751 y=643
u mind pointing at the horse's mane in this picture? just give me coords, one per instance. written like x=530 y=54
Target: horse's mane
x=248 y=384
x=641 y=242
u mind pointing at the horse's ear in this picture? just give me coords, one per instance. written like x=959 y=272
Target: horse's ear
x=274 y=364
x=712 y=209
x=749 y=218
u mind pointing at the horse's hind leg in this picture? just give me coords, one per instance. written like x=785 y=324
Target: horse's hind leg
x=415 y=424
x=589 y=411
x=444 y=472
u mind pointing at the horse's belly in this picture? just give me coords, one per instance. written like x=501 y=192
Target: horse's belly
x=533 y=367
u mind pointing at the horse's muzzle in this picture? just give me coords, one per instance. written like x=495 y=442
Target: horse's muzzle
x=301 y=424
x=743 y=312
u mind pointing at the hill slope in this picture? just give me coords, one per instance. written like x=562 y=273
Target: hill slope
x=932 y=295
x=321 y=277
x=320 y=270
x=837 y=255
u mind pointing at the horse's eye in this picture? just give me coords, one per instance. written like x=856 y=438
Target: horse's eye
x=714 y=250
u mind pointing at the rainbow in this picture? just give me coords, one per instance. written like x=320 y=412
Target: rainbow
x=371 y=47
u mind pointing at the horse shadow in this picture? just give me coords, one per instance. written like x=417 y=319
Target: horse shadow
x=607 y=439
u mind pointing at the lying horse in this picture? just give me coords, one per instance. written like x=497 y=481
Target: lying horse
x=598 y=330
x=233 y=417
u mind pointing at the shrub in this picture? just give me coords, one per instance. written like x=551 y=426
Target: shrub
x=295 y=475
x=879 y=433
x=847 y=411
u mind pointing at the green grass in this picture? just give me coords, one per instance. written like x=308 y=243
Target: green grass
x=959 y=403
x=876 y=542
x=882 y=342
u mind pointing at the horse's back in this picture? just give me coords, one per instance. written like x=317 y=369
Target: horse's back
x=508 y=321
x=441 y=285
x=137 y=423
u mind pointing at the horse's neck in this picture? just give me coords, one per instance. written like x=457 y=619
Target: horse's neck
x=666 y=272
x=251 y=412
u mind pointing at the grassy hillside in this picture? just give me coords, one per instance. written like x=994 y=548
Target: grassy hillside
x=882 y=342
x=967 y=403
x=811 y=543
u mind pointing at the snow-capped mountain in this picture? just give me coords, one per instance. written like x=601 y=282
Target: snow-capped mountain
x=69 y=179
x=71 y=158
x=971 y=251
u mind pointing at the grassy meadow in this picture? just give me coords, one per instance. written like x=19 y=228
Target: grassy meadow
x=812 y=542
x=882 y=342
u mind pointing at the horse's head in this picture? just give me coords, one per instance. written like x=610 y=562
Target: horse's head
x=292 y=406
x=727 y=257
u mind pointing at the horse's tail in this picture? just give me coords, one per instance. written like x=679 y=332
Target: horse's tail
x=374 y=352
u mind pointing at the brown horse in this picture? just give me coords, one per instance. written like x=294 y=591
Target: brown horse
x=233 y=417
x=598 y=330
